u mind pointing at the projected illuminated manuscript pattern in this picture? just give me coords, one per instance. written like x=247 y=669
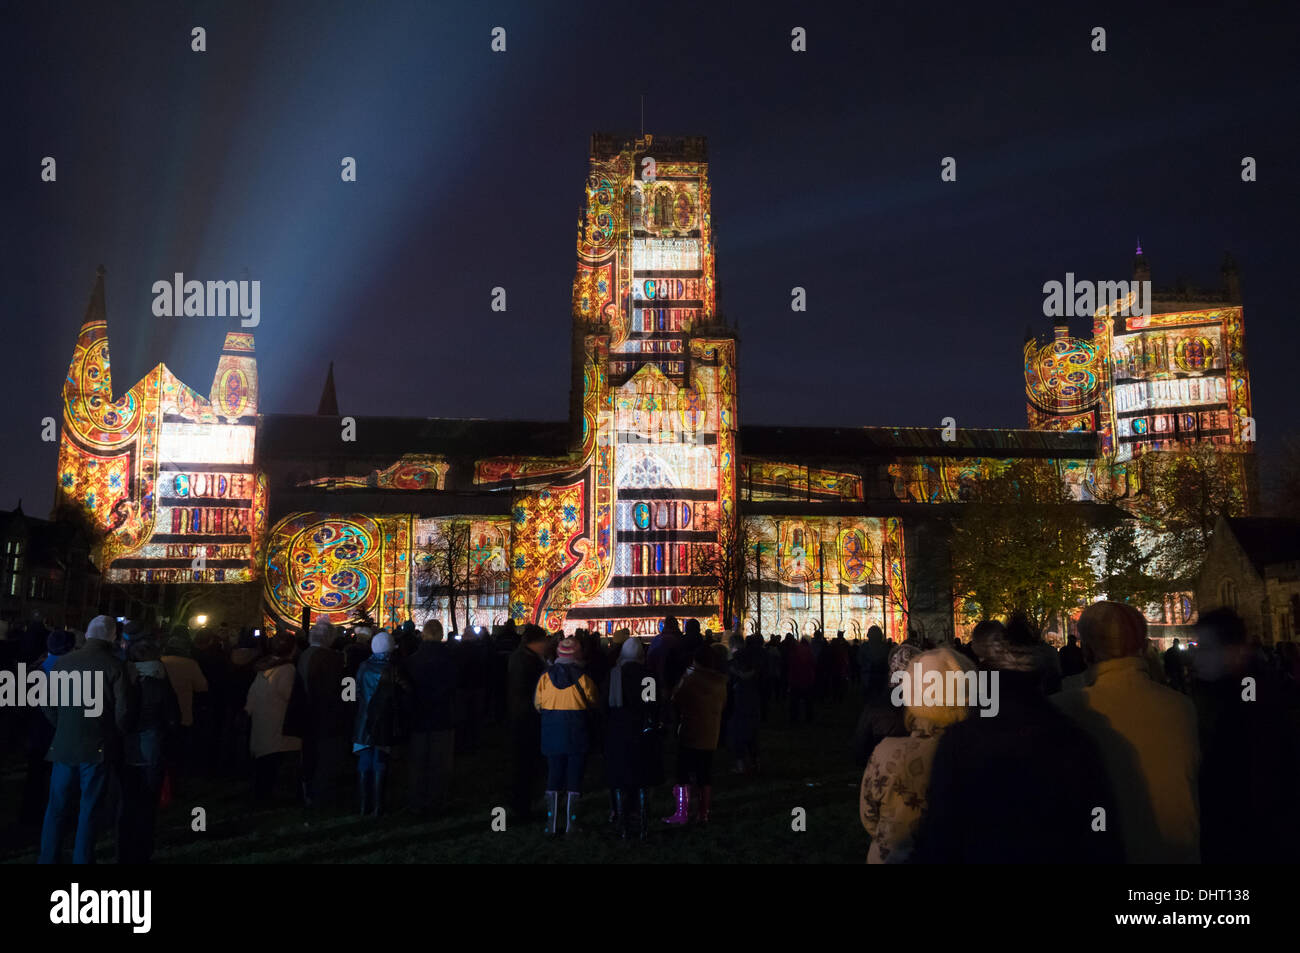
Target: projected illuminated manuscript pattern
x=849 y=571
x=166 y=474
x=414 y=471
x=616 y=526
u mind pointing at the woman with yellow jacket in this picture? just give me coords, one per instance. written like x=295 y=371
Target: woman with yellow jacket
x=565 y=696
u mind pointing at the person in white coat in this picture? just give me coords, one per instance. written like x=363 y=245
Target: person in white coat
x=268 y=702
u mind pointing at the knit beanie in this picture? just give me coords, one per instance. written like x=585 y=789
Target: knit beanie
x=102 y=627
x=941 y=661
x=60 y=642
x=570 y=650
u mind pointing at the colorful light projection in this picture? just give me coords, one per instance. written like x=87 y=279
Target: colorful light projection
x=851 y=571
x=605 y=536
x=765 y=480
x=335 y=564
x=1063 y=383
x=1180 y=378
x=166 y=474
x=392 y=567
x=414 y=471
x=942 y=479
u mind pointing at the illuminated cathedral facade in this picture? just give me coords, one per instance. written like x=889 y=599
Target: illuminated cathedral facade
x=629 y=510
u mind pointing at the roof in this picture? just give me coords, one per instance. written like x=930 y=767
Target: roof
x=1267 y=540
x=295 y=435
x=857 y=442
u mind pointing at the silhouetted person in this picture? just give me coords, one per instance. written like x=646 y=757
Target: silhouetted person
x=267 y=705
x=633 y=739
x=526 y=665
x=1250 y=769
x=880 y=717
x=1072 y=661
x=86 y=749
x=324 y=743
x=432 y=672
x=744 y=701
x=664 y=653
x=38 y=735
x=156 y=715
x=801 y=672
x=382 y=720
x=1175 y=670
x=1146 y=734
x=699 y=699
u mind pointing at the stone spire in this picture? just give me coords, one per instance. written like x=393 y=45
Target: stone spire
x=329 y=401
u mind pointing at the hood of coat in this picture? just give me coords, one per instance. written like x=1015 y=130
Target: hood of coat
x=269 y=662
x=149 y=669
x=707 y=674
x=564 y=674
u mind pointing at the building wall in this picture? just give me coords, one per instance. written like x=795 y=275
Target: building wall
x=1229 y=579
x=1282 y=589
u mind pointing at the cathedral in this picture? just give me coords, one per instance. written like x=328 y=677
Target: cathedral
x=652 y=499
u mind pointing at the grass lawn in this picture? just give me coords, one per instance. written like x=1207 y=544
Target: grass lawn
x=805 y=767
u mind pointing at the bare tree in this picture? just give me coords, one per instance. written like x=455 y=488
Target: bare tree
x=444 y=570
x=727 y=564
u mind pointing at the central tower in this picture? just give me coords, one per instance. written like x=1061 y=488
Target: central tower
x=661 y=368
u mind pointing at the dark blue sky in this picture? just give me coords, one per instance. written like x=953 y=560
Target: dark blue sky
x=825 y=172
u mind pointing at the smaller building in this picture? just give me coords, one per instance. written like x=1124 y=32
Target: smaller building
x=47 y=572
x=1253 y=568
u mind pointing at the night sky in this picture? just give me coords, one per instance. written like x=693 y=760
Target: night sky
x=824 y=166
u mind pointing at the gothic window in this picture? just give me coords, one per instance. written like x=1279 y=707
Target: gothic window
x=663 y=207
x=638 y=207
x=647 y=472
x=1228 y=594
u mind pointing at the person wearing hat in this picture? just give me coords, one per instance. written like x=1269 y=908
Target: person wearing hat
x=565 y=696
x=524 y=668
x=87 y=745
x=1146 y=733
x=892 y=796
x=383 y=720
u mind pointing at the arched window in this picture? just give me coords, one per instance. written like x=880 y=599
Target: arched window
x=1228 y=594
x=663 y=207
x=638 y=207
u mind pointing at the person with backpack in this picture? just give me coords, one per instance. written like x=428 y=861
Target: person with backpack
x=157 y=716
x=565 y=695
x=384 y=695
